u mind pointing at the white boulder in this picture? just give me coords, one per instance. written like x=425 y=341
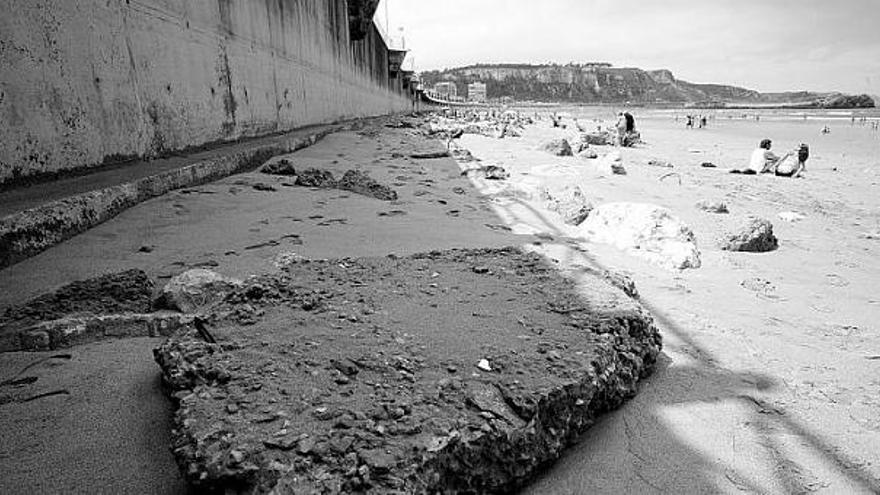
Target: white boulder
x=195 y=289
x=569 y=201
x=646 y=230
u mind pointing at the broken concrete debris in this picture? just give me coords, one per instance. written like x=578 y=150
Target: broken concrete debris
x=359 y=390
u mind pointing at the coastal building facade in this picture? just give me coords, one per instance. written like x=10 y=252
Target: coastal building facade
x=477 y=92
x=446 y=90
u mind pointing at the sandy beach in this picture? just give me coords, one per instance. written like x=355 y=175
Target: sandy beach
x=767 y=379
x=769 y=382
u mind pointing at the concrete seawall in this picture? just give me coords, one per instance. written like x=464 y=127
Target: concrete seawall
x=91 y=82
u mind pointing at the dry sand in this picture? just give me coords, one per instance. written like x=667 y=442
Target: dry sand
x=770 y=382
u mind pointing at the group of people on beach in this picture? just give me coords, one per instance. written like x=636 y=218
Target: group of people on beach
x=762 y=161
x=690 y=119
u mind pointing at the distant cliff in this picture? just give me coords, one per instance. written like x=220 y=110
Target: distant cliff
x=601 y=83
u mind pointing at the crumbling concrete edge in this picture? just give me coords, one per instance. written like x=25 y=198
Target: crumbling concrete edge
x=76 y=330
x=27 y=233
x=497 y=461
x=504 y=460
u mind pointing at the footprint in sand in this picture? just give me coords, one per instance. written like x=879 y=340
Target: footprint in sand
x=331 y=221
x=17 y=388
x=762 y=288
x=392 y=213
x=269 y=243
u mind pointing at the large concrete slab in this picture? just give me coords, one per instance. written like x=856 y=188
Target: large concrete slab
x=449 y=371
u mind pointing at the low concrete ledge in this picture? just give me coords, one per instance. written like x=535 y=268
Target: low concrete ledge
x=30 y=232
x=67 y=332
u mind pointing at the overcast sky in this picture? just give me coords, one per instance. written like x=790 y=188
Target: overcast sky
x=767 y=45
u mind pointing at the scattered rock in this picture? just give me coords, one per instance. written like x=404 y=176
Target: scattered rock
x=708 y=165
x=430 y=155
x=659 y=163
x=589 y=154
x=557 y=147
x=611 y=163
x=129 y=291
x=279 y=167
x=484 y=365
x=645 y=230
x=623 y=282
x=463 y=155
x=260 y=186
x=598 y=138
x=361 y=183
x=313 y=177
x=570 y=203
x=712 y=206
x=195 y=289
x=491 y=172
x=756 y=235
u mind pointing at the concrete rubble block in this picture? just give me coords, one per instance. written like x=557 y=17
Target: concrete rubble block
x=282 y=166
x=588 y=153
x=712 y=206
x=119 y=292
x=754 y=235
x=75 y=330
x=490 y=172
x=195 y=289
x=599 y=138
x=353 y=380
x=557 y=147
x=645 y=230
x=569 y=201
x=610 y=164
x=360 y=182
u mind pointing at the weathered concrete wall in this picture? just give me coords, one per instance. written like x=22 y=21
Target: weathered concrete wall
x=93 y=81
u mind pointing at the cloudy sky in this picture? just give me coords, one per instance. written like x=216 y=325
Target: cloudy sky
x=767 y=45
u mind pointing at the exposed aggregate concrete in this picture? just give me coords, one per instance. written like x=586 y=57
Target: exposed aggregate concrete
x=459 y=371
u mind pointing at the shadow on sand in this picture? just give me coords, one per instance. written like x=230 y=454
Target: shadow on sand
x=645 y=448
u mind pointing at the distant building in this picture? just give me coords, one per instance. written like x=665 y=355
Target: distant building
x=477 y=92
x=446 y=89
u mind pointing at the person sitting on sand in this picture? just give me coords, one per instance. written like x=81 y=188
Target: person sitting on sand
x=793 y=163
x=762 y=160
